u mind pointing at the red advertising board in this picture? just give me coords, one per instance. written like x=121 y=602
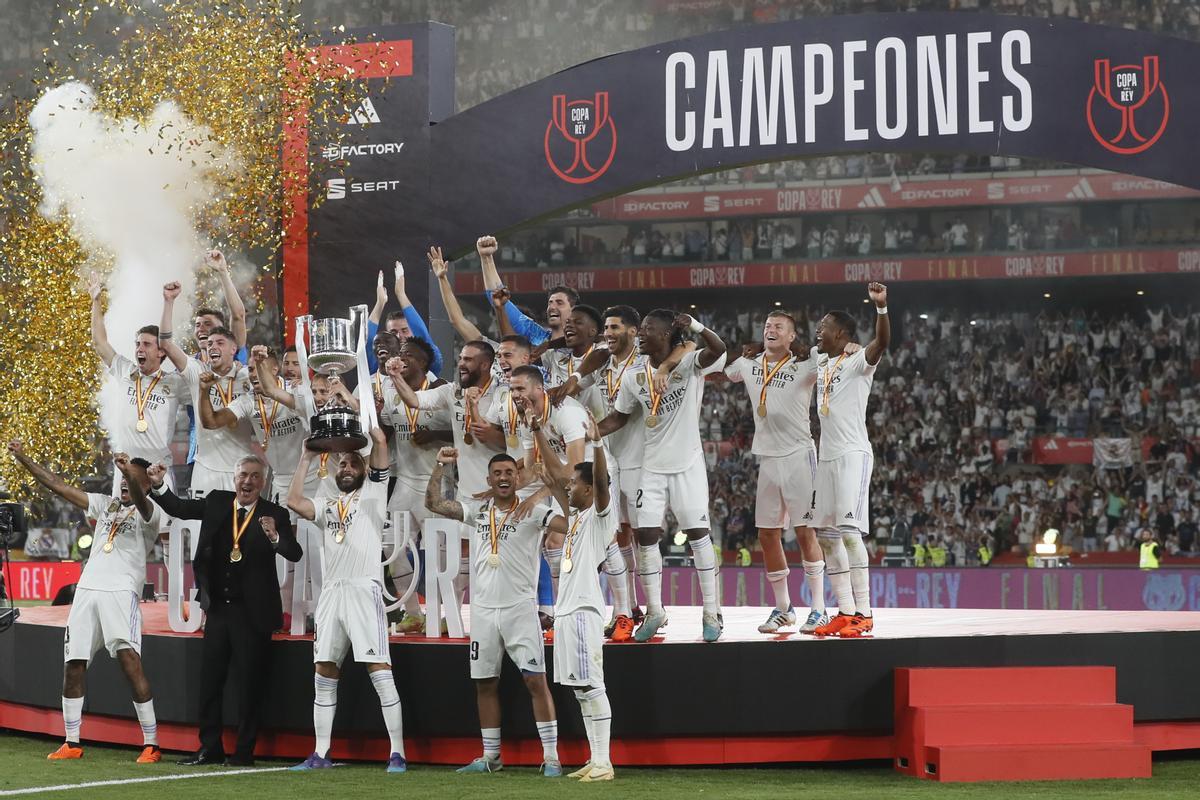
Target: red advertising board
x=1062 y=450
x=39 y=580
x=889 y=269
x=937 y=193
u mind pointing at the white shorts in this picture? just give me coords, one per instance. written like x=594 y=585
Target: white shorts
x=112 y=620
x=629 y=482
x=205 y=480
x=686 y=493
x=785 y=489
x=515 y=630
x=410 y=502
x=843 y=491
x=350 y=613
x=579 y=649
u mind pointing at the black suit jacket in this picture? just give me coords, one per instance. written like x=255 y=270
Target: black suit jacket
x=260 y=585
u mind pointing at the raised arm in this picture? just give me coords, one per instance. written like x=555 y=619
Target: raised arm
x=487 y=246
x=99 y=334
x=376 y=315
x=210 y=418
x=714 y=347
x=296 y=501
x=168 y=501
x=165 y=334
x=600 y=490
x=133 y=479
x=463 y=326
x=434 y=501
x=380 y=457
x=74 y=496
x=395 y=370
x=500 y=302
x=266 y=381
x=883 y=326
x=416 y=323
x=215 y=260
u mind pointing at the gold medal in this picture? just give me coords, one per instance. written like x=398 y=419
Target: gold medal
x=828 y=388
x=511 y=441
x=567 y=564
x=339 y=537
x=343 y=510
x=323 y=471
x=141 y=399
x=762 y=410
x=108 y=547
x=142 y=426
x=235 y=555
x=493 y=560
x=825 y=411
x=569 y=544
x=468 y=438
x=652 y=421
x=655 y=398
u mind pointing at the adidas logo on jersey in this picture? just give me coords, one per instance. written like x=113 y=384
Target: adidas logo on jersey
x=704 y=517
x=533 y=662
x=371 y=652
x=571 y=677
x=808 y=515
x=850 y=516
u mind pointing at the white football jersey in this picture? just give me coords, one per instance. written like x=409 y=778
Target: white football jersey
x=220 y=449
x=124 y=568
x=472 y=458
x=288 y=430
x=161 y=394
x=849 y=379
x=629 y=443
x=518 y=545
x=359 y=519
x=673 y=444
x=588 y=535
x=785 y=428
x=412 y=464
x=561 y=364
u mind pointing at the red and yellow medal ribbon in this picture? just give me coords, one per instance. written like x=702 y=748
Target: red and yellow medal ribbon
x=115 y=526
x=537 y=451
x=142 y=399
x=655 y=396
x=239 y=530
x=569 y=545
x=267 y=422
x=226 y=397
x=571 y=360
x=411 y=414
x=514 y=418
x=615 y=386
x=829 y=384
x=344 y=508
x=494 y=534
x=768 y=375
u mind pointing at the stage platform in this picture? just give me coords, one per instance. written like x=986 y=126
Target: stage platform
x=749 y=698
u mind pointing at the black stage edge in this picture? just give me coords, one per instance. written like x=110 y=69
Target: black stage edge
x=657 y=690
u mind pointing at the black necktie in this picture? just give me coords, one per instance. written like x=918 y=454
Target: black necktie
x=241 y=520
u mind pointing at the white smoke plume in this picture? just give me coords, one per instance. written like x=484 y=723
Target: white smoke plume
x=130 y=189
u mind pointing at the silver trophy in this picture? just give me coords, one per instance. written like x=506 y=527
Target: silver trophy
x=334 y=348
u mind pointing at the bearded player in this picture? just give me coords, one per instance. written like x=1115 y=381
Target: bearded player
x=673 y=468
x=845 y=461
x=350 y=612
x=106 y=611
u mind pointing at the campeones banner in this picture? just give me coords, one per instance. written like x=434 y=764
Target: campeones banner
x=1055 y=90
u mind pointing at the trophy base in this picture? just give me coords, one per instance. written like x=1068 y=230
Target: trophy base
x=336 y=444
x=336 y=430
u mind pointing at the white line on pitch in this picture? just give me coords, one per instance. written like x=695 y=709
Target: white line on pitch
x=65 y=787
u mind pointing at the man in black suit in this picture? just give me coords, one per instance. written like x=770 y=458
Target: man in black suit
x=240 y=534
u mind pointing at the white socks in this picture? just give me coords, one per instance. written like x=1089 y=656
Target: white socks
x=814 y=579
x=778 y=580
x=548 y=733
x=650 y=574
x=858 y=559
x=145 y=715
x=630 y=573
x=389 y=701
x=324 y=707
x=601 y=713
x=618 y=579
x=585 y=709
x=72 y=718
x=837 y=567
x=491 y=743
x=706 y=566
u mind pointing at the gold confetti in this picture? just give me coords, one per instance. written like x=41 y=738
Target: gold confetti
x=240 y=68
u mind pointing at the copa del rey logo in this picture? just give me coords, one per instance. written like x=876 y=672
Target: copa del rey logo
x=581 y=138
x=1128 y=107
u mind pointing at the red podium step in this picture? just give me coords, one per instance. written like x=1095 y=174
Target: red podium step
x=1014 y=723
